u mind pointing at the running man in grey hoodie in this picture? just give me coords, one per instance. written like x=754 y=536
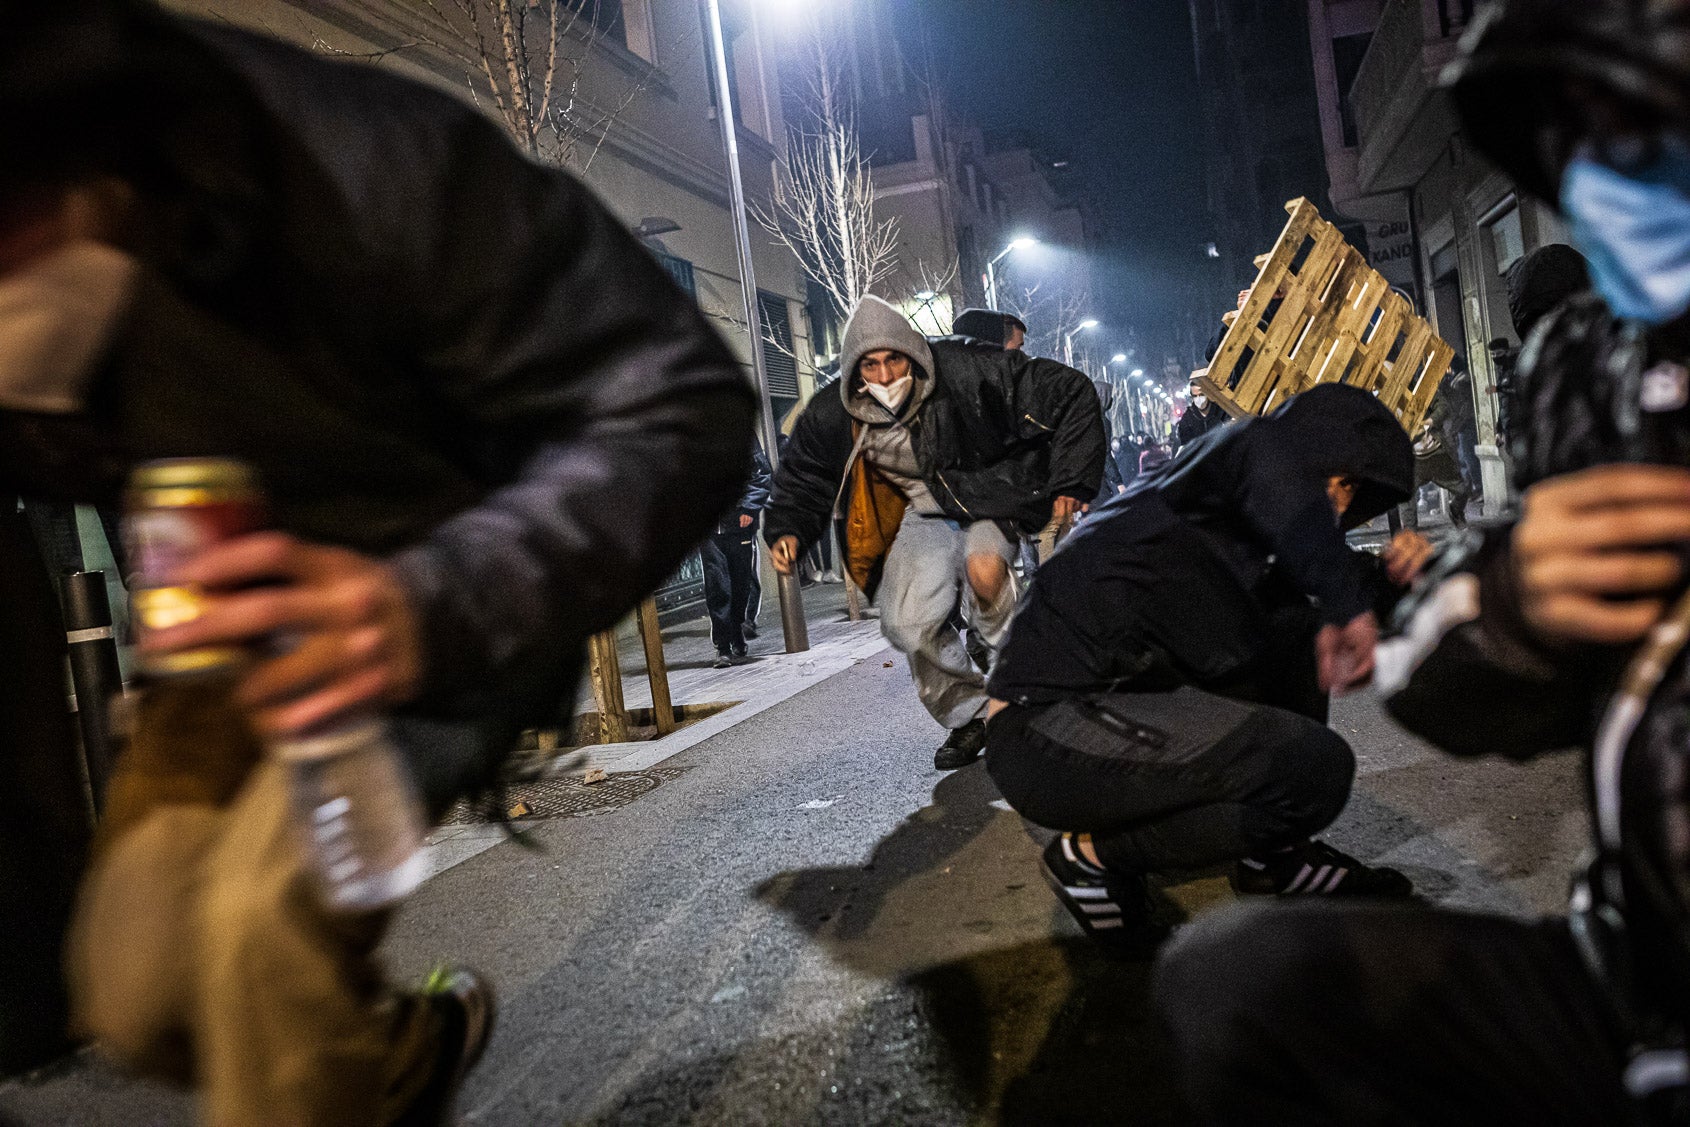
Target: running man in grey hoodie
x=936 y=455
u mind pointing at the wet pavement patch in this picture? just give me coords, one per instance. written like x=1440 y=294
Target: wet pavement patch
x=570 y=797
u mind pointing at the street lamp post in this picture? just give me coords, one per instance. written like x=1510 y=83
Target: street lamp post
x=992 y=268
x=792 y=623
x=1124 y=392
x=1068 y=339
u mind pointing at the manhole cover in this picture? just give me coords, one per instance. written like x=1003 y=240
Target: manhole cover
x=571 y=798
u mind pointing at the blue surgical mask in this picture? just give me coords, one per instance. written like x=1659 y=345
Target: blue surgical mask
x=1634 y=227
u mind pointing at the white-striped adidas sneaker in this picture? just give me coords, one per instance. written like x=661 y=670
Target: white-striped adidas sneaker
x=1314 y=868
x=1112 y=908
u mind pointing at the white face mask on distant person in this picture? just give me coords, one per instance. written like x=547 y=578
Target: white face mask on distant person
x=1200 y=401
x=891 y=395
x=57 y=315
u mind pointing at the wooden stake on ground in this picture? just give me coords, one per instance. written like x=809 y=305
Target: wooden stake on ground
x=656 y=668
x=604 y=669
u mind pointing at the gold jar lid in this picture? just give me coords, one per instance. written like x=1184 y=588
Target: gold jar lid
x=216 y=475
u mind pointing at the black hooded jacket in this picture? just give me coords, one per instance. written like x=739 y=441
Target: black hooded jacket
x=1182 y=578
x=431 y=349
x=1467 y=673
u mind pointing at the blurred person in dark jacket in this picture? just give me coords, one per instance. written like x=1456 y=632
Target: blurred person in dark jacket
x=729 y=556
x=1538 y=284
x=936 y=456
x=1161 y=698
x=1435 y=460
x=1154 y=456
x=1200 y=417
x=486 y=424
x=989 y=326
x=1566 y=628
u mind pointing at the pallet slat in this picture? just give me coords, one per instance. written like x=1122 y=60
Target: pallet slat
x=1337 y=320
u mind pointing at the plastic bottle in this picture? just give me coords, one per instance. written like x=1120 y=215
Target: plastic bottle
x=357 y=809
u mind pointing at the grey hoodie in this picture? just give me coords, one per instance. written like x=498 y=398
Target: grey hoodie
x=885 y=440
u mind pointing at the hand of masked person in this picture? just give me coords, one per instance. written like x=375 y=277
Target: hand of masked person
x=1345 y=653
x=1595 y=552
x=353 y=639
x=1406 y=557
x=784 y=554
x=1064 y=508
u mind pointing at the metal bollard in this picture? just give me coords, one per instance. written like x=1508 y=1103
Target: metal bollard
x=93 y=669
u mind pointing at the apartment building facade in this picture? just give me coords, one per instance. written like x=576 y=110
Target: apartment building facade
x=1440 y=222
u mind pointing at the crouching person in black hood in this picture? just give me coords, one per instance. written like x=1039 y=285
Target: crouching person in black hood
x=1566 y=629
x=936 y=455
x=1161 y=698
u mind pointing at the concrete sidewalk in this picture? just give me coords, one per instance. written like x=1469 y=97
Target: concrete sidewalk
x=773 y=676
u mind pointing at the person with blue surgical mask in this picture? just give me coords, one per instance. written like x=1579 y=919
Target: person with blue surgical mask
x=1567 y=627
x=1630 y=214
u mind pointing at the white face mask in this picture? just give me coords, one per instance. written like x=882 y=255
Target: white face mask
x=1199 y=401
x=891 y=395
x=57 y=315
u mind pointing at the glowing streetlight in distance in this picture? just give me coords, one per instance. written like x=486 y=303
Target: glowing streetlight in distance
x=1137 y=372
x=1068 y=339
x=1118 y=358
x=991 y=266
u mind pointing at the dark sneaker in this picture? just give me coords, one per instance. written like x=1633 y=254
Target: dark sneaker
x=722 y=661
x=1111 y=907
x=466 y=1007
x=1316 y=869
x=738 y=656
x=750 y=631
x=962 y=747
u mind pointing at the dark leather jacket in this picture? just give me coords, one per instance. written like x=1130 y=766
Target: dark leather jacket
x=999 y=437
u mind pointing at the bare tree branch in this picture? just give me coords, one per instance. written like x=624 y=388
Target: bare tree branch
x=822 y=206
x=529 y=58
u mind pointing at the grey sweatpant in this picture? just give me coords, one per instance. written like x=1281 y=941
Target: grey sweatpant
x=925 y=573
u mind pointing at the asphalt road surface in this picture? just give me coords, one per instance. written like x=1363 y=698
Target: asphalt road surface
x=803 y=923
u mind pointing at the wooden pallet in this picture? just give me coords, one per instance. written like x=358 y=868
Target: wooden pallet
x=1339 y=322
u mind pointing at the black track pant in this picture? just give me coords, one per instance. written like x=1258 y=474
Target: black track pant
x=729 y=565
x=1173 y=780
x=1363 y=1015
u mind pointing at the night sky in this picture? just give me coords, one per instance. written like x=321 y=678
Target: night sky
x=1111 y=85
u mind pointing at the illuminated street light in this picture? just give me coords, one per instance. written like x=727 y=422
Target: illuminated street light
x=1118 y=358
x=991 y=267
x=1068 y=340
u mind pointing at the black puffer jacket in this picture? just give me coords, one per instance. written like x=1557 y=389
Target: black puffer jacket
x=432 y=350
x=999 y=436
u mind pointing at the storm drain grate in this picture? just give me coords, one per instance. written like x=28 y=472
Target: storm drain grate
x=570 y=797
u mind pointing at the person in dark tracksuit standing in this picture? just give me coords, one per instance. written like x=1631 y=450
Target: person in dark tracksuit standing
x=730 y=567
x=1161 y=697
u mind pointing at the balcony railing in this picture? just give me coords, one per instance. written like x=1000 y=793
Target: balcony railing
x=1413 y=39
